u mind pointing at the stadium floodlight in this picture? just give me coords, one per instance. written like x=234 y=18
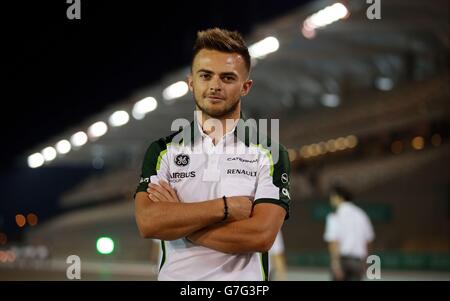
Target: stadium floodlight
x=417 y=143
x=63 y=146
x=330 y=100
x=144 y=106
x=97 y=129
x=49 y=153
x=79 y=138
x=175 y=90
x=351 y=141
x=105 y=245
x=119 y=118
x=324 y=17
x=264 y=47
x=384 y=83
x=35 y=160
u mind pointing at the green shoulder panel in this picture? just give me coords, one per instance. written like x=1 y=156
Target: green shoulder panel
x=280 y=171
x=152 y=161
x=281 y=175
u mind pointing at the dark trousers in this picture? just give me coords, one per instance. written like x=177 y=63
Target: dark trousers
x=353 y=268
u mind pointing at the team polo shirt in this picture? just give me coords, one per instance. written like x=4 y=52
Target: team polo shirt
x=199 y=171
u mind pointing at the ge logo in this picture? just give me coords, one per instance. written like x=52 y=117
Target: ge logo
x=284 y=178
x=182 y=160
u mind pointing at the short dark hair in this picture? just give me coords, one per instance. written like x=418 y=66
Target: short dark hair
x=222 y=40
x=342 y=192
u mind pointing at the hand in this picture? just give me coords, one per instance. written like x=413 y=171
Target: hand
x=239 y=207
x=162 y=193
x=337 y=271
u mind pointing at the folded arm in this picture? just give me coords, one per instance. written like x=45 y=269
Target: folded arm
x=160 y=214
x=254 y=234
x=173 y=220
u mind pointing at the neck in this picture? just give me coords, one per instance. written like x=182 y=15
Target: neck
x=216 y=128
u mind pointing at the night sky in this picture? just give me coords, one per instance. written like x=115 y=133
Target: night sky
x=62 y=71
x=59 y=71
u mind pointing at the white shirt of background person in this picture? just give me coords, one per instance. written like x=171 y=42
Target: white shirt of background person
x=351 y=228
x=277 y=264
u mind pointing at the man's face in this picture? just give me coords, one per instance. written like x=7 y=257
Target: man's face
x=335 y=200
x=218 y=80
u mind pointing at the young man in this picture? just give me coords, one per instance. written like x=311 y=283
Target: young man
x=348 y=232
x=217 y=212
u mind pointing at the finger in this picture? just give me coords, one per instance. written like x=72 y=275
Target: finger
x=159 y=195
x=165 y=185
x=169 y=189
x=154 y=193
x=156 y=187
x=163 y=191
x=172 y=193
x=151 y=190
x=152 y=197
x=151 y=186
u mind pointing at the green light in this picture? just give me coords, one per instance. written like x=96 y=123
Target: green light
x=105 y=245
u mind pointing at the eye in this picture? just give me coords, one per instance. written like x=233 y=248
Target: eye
x=228 y=78
x=205 y=76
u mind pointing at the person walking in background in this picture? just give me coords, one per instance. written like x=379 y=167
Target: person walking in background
x=348 y=232
x=277 y=266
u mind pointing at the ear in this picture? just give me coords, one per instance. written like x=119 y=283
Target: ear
x=246 y=87
x=190 y=82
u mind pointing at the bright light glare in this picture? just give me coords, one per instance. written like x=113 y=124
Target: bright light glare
x=49 y=153
x=330 y=100
x=79 y=138
x=35 y=160
x=324 y=17
x=119 y=118
x=175 y=90
x=105 y=245
x=63 y=146
x=264 y=47
x=327 y=15
x=143 y=107
x=384 y=83
x=97 y=129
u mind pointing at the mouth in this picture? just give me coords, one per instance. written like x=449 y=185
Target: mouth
x=215 y=99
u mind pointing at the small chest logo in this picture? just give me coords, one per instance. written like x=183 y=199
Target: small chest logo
x=182 y=160
x=284 y=178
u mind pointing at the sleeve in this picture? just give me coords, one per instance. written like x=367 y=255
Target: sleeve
x=331 y=228
x=155 y=166
x=274 y=180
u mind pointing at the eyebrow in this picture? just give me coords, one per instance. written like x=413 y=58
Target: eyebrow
x=222 y=74
x=205 y=71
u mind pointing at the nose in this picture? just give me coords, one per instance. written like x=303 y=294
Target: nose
x=215 y=84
